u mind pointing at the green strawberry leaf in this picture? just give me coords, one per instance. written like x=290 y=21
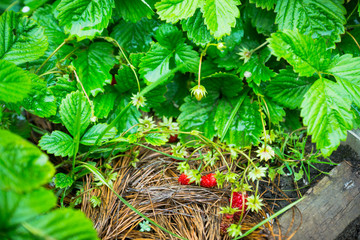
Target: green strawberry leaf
x=34 y=4
x=134 y=10
x=170 y=47
x=23 y=166
x=230 y=60
x=41 y=100
x=93 y=66
x=262 y=20
x=346 y=70
x=104 y=103
x=125 y=80
x=172 y=11
x=55 y=35
x=268 y=4
x=15 y=83
x=256 y=66
x=61 y=89
x=288 y=89
x=356 y=116
x=156 y=63
x=131 y=118
x=156 y=139
x=236 y=36
x=61 y=223
x=134 y=37
x=273 y=111
x=292 y=120
x=155 y=97
x=226 y=83
x=17 y=208
x=305 y=54
x=169 y=36
x=246 y=127
x=319 y=18
x=75 y=113
x=188 y=57
x=57 y=143
x=198 y=115
x=93 y=133
x=176 y=92
x=23 y=40
x=63 y=181
x=19 y=124
x=196 y=29
x=84 y=18
x=220 y=16
x=326 y=112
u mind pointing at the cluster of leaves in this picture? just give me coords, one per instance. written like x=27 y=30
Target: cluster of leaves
x=82 y=63
x=26 y=206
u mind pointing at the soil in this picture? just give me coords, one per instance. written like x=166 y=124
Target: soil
x=351 y=232
x=287 y=185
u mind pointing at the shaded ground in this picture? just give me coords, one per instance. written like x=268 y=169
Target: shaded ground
x=287 y=187
x=352 y=232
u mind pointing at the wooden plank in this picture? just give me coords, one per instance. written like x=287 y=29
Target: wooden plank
x=328 y=208
x=353 y=140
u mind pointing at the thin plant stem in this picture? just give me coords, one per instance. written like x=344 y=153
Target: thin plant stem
x=203 y=53
x=11 y=5
x=260 y=46
x=113 y=41
x=262 y=121
x=87 y=96
x=357 y=44
x=352 y=12
x=267 y=111
x=352 y=26
x=51 y=55
x=47 y=73
x=69 y=54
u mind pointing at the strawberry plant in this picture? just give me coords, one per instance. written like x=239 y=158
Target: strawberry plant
x=210 y=78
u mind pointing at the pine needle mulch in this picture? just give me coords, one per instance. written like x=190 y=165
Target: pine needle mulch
x=192 y=212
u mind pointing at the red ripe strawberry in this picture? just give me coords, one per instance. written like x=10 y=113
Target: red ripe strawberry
x=239 y=201
x=225 y=224
x=173 y=138
x=208 y=181
x=184 y=179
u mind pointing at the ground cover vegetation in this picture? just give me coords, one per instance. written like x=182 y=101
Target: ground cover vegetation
x=232 y=90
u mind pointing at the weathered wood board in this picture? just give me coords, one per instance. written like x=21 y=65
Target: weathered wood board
x=353 y=140
x=328 y=208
